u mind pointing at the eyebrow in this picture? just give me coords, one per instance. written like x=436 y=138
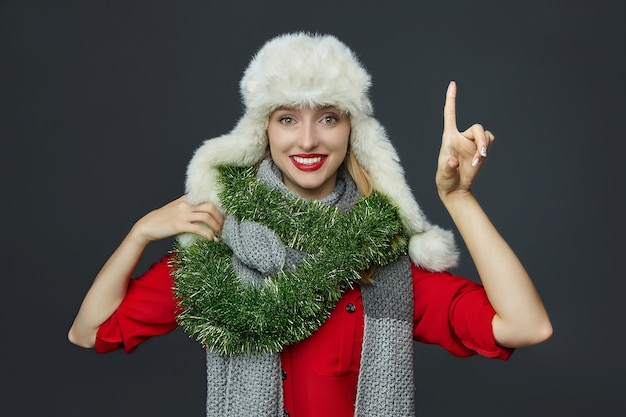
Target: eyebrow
x=325 y=107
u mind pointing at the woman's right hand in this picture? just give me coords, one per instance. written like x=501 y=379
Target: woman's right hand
x=110 y=285
x=178 y=217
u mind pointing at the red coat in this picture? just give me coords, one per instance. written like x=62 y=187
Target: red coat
x=320 y=373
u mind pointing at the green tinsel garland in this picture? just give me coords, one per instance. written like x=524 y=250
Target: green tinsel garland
x=230 y=317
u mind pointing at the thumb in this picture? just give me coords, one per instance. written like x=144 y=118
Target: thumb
x=448 y=167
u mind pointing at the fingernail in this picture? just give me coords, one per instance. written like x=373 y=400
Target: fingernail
x=475 y=162
x=483 y=151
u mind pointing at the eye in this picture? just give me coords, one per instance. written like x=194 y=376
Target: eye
x=329 y=119
x=286 y=120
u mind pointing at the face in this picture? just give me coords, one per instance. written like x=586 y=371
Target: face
x=309 y=145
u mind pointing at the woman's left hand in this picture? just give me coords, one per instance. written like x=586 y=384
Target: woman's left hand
x=462 y=153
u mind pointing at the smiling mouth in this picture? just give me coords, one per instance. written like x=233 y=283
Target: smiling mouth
x=309 y=162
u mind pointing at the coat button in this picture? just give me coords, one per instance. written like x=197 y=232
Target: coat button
x=350 y=308
x=284 y=374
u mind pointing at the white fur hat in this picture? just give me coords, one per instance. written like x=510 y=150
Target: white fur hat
x=304 y=70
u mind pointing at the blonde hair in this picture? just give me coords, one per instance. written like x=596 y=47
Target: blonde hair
x=361 y=178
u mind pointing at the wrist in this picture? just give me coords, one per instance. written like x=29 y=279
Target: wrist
x=457 y=197
x=136 y=238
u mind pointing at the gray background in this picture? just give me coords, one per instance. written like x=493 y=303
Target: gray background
x=103 y=103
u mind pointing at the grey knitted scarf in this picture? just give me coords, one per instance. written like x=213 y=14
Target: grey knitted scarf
x=251 y=385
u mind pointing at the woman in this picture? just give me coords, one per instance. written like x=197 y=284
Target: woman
x=326 y=269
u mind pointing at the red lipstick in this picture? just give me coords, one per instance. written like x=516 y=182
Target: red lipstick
x=308 y=162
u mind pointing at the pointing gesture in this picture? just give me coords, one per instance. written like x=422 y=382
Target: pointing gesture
x=462 y=153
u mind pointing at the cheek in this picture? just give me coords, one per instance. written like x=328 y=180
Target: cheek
x=342 y=140
x=273 y=140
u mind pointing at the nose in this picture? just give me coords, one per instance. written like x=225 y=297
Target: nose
x=308 y=137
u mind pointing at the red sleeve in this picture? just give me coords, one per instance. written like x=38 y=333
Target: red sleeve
x=454 y=313
x=149 y=309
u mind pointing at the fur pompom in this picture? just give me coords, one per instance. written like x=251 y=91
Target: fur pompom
x=434 y=249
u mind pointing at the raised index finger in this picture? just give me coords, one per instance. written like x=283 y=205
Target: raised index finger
x=449 y=109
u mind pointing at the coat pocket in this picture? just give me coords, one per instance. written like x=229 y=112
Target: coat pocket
x=340 y=338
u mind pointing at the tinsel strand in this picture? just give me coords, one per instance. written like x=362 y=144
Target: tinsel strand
x=231 y=317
